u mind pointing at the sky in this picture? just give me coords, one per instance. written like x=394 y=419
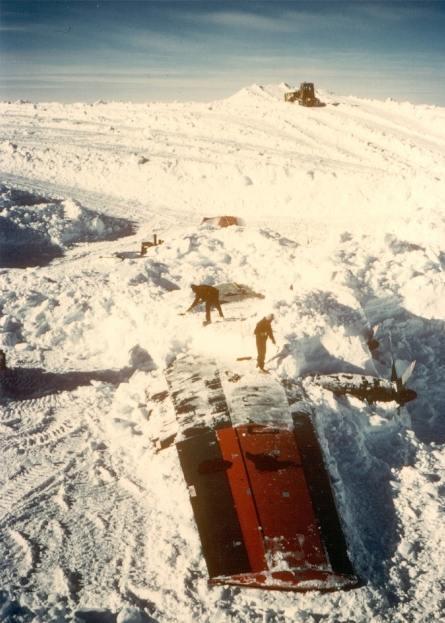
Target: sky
x=201 y=50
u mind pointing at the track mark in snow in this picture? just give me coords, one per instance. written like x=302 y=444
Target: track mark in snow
x=21 y=414
x=21 y=552
x=52 y=434
x=27 y=486
x=26 y=482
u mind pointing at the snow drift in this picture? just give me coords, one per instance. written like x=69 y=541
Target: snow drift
x=34 y=229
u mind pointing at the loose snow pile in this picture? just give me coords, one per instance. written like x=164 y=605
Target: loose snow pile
x=344 y=231
x=34 y=229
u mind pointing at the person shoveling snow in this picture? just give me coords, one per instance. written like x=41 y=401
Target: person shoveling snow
x=208 y=295
x=263 y=330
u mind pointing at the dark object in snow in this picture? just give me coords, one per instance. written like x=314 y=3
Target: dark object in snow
x=148 y=245
x=222 y=221
x=373 y=344
x=90 y=615
x=263 y=330
x=305 y=95
x=400 y=376
x=259 y=490
x=140 y=359
x=208 y=295
x=2 y=360
x=232 y=292
x=369 y=388
x=371 y=341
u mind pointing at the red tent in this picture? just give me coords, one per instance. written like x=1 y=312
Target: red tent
x=222 y=221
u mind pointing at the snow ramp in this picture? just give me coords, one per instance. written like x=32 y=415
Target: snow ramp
x=259 y=490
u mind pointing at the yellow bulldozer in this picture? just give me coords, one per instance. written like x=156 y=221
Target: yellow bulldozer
x=305 y=95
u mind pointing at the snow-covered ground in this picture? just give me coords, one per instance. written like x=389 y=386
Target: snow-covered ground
x=343 y=208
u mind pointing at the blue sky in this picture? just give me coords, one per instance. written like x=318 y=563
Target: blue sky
x=85 y=50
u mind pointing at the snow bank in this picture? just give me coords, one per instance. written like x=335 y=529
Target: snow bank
x=34 y=229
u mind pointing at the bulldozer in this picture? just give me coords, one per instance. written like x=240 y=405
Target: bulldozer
x=305 y=95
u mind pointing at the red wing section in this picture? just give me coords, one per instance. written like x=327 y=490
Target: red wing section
x=260 y=493
x=290 y=552
x=290 y=529
x=243 y=499
x=255 y=512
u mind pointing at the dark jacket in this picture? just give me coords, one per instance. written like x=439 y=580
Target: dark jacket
x=264 y=329
x=205 y=294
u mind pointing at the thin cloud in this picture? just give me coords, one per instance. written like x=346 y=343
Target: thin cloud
x=246 y=20
x=400 y=11
x=38 y=28
x=288 y=21
x=29 y=28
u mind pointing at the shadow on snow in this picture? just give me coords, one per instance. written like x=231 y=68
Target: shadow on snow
x=26 y=383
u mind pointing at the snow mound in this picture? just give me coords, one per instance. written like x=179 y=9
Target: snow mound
x=268 y=92
x=35 y=229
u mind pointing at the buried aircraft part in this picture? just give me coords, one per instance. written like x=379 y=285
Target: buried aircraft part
x=259 y=490
x=369 y=388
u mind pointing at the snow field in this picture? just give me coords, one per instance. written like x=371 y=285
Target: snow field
x=344 y=231
x=264 y=157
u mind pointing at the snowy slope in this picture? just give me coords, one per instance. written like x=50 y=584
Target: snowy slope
x=344 y=228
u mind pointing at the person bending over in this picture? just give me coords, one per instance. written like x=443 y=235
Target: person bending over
x=208 y=295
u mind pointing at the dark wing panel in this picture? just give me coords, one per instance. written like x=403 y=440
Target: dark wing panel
x=205 y=471
x=321 y=493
